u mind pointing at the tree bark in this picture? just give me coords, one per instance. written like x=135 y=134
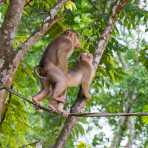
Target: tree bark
x=80 y=101
x=7 y=34
x=8 y=67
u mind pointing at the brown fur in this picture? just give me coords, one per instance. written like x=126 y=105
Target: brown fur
x=82 y=75
x=54 y=65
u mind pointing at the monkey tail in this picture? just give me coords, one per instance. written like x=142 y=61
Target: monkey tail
x=36 y=71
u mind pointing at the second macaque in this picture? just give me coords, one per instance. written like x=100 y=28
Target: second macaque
x=82 y=75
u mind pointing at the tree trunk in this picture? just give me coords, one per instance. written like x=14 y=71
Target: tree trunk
x=80 y=101
x=7 y=34
x=9 y=60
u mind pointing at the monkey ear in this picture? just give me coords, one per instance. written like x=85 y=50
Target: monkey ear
x=70 y=34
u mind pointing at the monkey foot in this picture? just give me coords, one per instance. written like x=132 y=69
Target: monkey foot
x=36 y=103
x=65 y=114
x=60 y=99
x=52 y=107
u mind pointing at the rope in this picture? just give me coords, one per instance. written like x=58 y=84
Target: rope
x=85 y=114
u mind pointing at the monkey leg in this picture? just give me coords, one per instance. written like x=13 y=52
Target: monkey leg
x=40 y=96
x=59 y=80
x=85 y=89
x=61 y=98
x=57 y=107
x=60 y=106
x=53 y=104
x=59 y=89
x=61 y=109
x=46 y=88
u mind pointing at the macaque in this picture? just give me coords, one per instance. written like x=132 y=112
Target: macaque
x=82 y=75
x=54 y=65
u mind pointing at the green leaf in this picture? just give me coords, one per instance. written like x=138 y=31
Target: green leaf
x=70 y=5
x=145 y=119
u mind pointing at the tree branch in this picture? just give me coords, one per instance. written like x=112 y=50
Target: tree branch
x=77 y=114
x=80 y=102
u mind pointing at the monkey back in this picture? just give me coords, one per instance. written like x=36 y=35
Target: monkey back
x=56 y=53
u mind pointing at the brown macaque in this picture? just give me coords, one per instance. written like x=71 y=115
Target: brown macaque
x=82 y=75
x=54 y=65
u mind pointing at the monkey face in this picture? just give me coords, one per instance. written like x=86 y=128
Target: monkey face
x=73 y=37
x=86 y=57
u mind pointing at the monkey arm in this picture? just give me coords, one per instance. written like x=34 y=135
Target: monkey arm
x=45 y=90
x=85 y=88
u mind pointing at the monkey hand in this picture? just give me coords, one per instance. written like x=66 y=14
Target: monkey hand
x=64 y=113
x=61 y=110
x=36 y=105
x=34 y=100
x=53 y=105
x=87 y=96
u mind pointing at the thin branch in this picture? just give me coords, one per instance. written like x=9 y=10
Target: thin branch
x=26 y=99
x=85 y=114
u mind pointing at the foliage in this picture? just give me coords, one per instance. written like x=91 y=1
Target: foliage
x=23 y=125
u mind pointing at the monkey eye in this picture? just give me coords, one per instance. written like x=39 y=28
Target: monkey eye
x=81 y=56
x=90 y=56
